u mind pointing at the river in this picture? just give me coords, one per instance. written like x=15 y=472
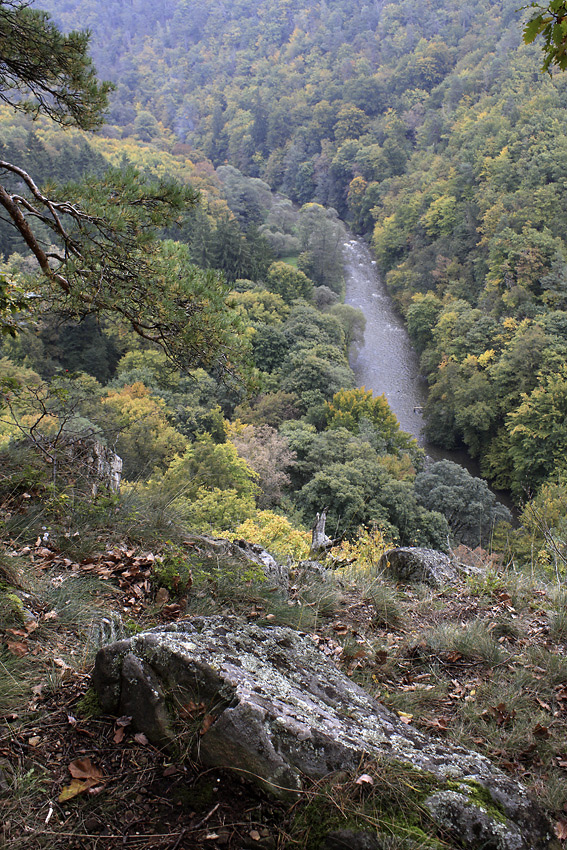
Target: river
x=386 y=361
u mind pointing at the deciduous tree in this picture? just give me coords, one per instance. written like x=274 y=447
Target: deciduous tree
x=467 y=503
x=551 y=23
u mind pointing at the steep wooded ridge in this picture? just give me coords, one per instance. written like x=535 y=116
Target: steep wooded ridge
x=430 y=128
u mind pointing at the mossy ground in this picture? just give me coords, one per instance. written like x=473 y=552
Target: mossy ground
x=479 y=796
x=384 y=799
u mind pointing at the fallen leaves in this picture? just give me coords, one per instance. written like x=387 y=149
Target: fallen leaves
x=162 y=597
x=128 y=568
x=500 y=713
x=405 y=717
x=190 y=710
x=84 y=769
x=120 y=727
x=453 y=656
x=436 y=724
x=73 y=790
x=197 y=711
x=561 y=697
x=17 y=648
x=329 y=647
x=85 y=776
x=208 y=721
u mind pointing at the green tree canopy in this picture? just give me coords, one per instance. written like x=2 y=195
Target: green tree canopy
x=467 y=503
x=288 y=282
x=350 y=408
x=538 y=432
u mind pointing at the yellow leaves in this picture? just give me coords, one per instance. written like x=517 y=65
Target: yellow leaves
x=85 y=776
x=214 y=510
x=471 y=361
x=365 y=551
x=486 y=357
x=404 y=717
x=135 y=390
x=147 y=441
x=143 y=156
x=259 y=306
x=276 y=534
x=440 y=217
x=356 y=189
x=401 y=468
x=348 y=407
x=73 y=790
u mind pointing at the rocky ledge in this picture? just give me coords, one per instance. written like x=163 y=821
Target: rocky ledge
x=264 y=701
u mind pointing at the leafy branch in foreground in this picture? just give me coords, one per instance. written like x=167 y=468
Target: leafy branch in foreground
x=96 y=242
x=106 y=258
x=551 y=23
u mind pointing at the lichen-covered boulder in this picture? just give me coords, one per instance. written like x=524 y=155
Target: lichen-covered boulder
x=418 y=566
x=265 y=701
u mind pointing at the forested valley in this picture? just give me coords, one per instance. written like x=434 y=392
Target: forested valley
x=179 y=301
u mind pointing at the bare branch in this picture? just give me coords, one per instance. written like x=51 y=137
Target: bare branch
x=20 y=221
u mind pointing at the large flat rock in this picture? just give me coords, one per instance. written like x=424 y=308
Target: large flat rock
x=265 y=701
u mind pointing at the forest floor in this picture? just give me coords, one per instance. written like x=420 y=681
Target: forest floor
x=482 y=663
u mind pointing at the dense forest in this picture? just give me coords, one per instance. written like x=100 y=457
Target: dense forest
x=431 y=131
x=178 y=415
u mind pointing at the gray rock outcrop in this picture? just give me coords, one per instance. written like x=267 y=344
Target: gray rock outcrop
x=273 y=570
x=266 y=702
x=101 y=466
x=243 y=553
x=418 y=566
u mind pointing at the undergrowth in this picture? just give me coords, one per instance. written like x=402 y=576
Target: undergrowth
x=482 y=664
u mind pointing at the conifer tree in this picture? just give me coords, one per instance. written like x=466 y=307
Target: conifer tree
x=102 y=254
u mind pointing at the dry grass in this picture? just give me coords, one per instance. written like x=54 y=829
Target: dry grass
x=482 y=664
